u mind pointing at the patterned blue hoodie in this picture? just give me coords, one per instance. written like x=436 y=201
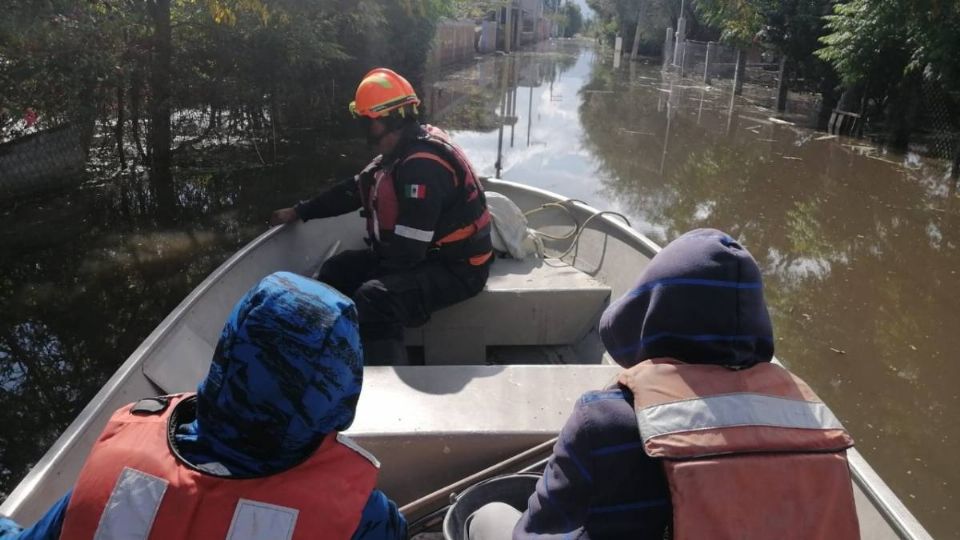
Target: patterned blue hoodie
x=287 y=371
x=700 y=300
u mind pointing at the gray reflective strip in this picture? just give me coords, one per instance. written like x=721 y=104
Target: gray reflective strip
x=373 y=207
x=132 y=506
x=415 y=234
x=351 y=444
x=732 y=410
x=255 y=520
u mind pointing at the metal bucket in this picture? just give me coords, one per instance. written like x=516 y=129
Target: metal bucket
x=512 y=489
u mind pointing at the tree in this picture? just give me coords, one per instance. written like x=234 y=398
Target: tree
x=620 y=17
x=889 y=49
x=476 y=9
x=868 y=38
x=790 y=27
x=235 y=65
x=572 y=19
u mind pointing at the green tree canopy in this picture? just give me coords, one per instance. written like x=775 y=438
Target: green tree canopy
x=883 y=39
x=572 y=19
x=790 y=26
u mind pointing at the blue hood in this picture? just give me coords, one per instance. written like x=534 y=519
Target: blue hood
x=287 y=371
x=700 y=300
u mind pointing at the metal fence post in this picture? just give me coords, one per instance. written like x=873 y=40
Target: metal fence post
x=683 y=56
x=617 y=51
x=681 y=37
x=668 y=48
x=738 y=72
x=636 y=35
x=782 y=85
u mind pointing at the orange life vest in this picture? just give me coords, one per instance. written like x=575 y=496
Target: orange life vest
x=462 y=221
x=133 y=486
x=749 y=453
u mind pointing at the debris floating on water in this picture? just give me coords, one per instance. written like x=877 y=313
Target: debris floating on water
x=838 y=351
x=779 y=121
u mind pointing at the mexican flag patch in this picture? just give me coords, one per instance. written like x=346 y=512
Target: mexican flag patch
x=416 y=191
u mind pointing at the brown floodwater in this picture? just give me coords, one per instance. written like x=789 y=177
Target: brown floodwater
x=859 y=246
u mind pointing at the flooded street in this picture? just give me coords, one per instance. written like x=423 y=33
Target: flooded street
x=859 y=247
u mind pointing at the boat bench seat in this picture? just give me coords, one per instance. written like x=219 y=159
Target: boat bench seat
x=433 y=425
x=530 y=302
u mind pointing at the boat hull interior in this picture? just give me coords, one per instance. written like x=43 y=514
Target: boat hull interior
x=501 y=371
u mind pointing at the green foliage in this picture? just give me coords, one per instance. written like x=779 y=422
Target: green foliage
x=619 y=17
x=572 y=19
x=475 y=9
x=741 y=21
x=286 y=61
x=54 y=56
x=613 y=16
x=886 y=39
x=790 y=26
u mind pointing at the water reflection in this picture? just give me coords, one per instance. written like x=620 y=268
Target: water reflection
x=85 y=276
x=859 y=246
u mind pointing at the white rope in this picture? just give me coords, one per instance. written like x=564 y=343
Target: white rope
x=578 y=228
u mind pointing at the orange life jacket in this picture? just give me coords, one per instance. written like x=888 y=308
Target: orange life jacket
x=461 y=222
x=133 y=486
x=749 y=453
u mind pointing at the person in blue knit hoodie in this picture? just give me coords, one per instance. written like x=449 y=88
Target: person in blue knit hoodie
x=258 y=443
x=698 y=301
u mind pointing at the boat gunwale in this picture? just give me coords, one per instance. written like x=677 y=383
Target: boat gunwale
x=92 y=409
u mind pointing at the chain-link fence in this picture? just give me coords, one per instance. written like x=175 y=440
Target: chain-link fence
x=754 y=73
x=711 y=61
x=51 y=155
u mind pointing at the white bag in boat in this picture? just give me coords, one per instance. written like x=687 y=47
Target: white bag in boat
x=508 y=231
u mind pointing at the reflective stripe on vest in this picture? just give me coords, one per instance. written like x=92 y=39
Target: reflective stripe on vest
x=686 y=410
x=750 y=453
x=132 y=486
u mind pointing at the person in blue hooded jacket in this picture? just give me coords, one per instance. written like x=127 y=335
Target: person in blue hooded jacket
x=698 y=301
x=258 y=444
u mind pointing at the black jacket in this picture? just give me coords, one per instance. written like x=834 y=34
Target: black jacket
x=436 y=210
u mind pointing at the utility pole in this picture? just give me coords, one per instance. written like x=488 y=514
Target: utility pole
x=667 y=49
x=617 y=51
x=681 y=34
x=508 y=27
x=636 y=35
x=711 y=57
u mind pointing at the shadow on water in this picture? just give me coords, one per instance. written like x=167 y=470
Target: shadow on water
x=86 y=275
x=859 y=245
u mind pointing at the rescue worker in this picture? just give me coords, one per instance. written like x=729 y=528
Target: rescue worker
x=703 y=436
x=428 y=227
x=258 y=445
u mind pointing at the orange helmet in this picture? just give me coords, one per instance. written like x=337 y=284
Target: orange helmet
x=383 y=90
